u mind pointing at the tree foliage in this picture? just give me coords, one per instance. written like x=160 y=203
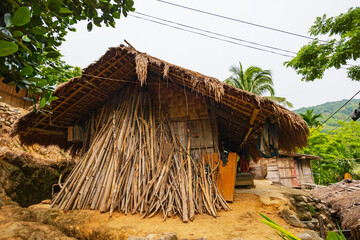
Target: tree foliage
x=339 y=150
x=328 y=108
x=343 y=45
x=310 y=118
x=255 y=80
x=32 y=31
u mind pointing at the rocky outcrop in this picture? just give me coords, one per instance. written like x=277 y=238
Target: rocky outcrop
x=8 y=115
x=28 y=181
x=18 y=223
x=305 y=211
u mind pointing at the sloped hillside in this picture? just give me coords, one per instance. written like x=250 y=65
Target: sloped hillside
x=328 y=108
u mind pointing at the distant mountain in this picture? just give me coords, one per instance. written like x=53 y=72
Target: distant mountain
x=328 y=108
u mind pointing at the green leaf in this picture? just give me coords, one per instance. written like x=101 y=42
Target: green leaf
x=280 y=229
x=36 y=9
x=267 y=218
x=116 y=15
x=24 y=47
x=7 y=19
x=21 y=16
x=89 y=26
x=17 y=33
x=53 y=54
x=38 y=30
x=53 y=98
x=333 y=236
x=42 y=102
x=26 y=38
x=34 y=79
x=64 y=10
x=7 y=48
x=41 y=83
x=26 y=70
x=97 y=21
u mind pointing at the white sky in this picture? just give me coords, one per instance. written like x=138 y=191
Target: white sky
x=213 y=57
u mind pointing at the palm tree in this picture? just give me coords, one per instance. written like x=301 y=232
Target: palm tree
x=255 y=80
x=310 y=118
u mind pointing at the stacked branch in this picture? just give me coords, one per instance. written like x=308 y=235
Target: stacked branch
x=136 y=164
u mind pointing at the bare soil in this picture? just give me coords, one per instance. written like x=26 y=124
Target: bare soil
x=242 y=222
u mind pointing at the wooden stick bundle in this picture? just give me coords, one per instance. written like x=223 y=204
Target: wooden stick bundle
x=136 y=165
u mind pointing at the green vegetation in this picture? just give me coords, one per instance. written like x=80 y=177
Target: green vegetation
x=337 y=141
x=343 y=45
x=255 y=80
x=310 y=118
x=32 y=31
x=340 y=152
x=286 y=235
x=329 y=108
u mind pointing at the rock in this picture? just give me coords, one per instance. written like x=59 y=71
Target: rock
x=135 y=238
x=2 y=119
x=310 y=225
x=319 y=206
x=31 y=230
x=161 y=236
x=304 y=215
x=305 y=199
x=330 y=226
x=304 y=236
x=7 y=123
x=291 y=218
x=6 y=129
x=313 y=235
x=302 y=205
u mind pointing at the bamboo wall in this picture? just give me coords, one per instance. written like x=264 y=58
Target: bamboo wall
x=187 y=111
x=10 y=96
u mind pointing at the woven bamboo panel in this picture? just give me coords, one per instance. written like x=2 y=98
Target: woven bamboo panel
x=181 y=105
x=10 y=96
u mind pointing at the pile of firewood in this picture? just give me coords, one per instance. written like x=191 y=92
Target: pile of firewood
x=136 y=164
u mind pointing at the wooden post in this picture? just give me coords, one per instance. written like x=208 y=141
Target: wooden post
x=321 y=227
x=251 y=123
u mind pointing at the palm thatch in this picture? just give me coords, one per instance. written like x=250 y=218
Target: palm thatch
x=121 y=66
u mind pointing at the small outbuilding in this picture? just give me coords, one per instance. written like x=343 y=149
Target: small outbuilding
x=288 y=169
x=149 y=135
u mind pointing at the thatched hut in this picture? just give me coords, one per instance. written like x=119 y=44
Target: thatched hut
x=288 y=169
x=131 y=114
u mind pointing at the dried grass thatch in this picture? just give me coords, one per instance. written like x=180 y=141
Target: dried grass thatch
x=123 y=65
x=344 y=198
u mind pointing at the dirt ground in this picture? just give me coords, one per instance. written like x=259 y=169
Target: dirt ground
x=242 y=222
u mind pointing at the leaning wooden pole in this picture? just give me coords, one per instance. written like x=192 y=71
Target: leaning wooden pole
x=136 y=164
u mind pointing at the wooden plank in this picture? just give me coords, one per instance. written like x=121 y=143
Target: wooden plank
x=226 y=176
x=226 y=181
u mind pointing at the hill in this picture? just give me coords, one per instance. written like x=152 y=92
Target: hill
x=328 y=108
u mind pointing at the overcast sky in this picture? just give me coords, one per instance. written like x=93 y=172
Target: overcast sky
x=213 y=57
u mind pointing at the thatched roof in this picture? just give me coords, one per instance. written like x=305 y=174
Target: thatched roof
x=125 y=65
x=299 y=156
x=343 y=199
